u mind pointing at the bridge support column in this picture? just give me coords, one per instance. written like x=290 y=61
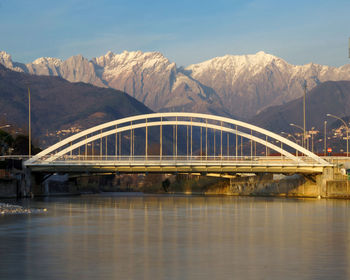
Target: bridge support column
x=27 y=183
x=322 y=179
x=30 y=187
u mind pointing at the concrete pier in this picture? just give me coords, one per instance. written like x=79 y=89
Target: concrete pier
x=330 y=184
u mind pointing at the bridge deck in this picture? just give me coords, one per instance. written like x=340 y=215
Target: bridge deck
x=176 y=166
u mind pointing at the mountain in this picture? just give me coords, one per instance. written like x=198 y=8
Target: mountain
x=58 y=105
x=239 y=86
x=327 y=97
x=250 y=83
x=148 y=77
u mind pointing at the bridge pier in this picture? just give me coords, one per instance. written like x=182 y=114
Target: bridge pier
x=44 y=184
x=322 y=179
x=333 y=184
x=31 y=187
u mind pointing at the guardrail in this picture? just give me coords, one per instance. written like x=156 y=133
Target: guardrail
x=172 y=160
x=23 y=157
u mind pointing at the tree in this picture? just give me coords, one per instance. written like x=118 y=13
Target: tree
x=21 y=147
x=6 y=142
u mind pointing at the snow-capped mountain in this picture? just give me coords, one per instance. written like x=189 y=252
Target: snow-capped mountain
x=149 y=77
x=239 y=85
x=249 y=83
x=154 y=80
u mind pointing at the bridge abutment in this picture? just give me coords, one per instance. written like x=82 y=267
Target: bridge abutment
x=278 y=185
x=329 y=184
x=333 y=184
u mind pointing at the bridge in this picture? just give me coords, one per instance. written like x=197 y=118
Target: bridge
x=176 y=142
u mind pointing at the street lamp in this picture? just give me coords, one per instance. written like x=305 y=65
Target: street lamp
x=347 y=132
x=325 y=138
x=312 y=138
x=290 y=135
x=29 y=128
x=303 y=138
x=304 y=109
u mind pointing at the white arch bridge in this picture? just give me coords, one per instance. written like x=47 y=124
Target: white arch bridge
x=176 y=143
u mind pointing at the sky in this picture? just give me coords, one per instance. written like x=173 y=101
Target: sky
x=186 y=32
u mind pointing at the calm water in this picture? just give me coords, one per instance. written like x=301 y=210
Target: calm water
x=177 y=237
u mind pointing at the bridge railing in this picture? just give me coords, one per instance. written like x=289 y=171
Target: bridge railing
x=19 y=157
x=177 y=160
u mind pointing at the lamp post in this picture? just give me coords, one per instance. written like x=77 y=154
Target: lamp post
x=312 y=139
x=29 y=128
x=303 y=139
x=347 y=132
x=325 y=138
x=295 y=139
x=304 y=110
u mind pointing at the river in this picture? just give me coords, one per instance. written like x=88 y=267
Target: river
x=136 y=236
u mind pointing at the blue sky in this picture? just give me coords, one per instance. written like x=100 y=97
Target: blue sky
x=184 y=31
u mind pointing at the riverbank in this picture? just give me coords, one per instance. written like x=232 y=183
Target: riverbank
x=10 y=209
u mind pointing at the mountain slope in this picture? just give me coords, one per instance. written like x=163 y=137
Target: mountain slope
x=327 y=97
x=58 y=104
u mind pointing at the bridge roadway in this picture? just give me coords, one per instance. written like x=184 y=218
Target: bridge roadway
x=181 y=164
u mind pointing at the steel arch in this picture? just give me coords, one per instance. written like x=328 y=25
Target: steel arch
x=176 y=115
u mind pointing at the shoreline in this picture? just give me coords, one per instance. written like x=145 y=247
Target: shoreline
x=13 y=209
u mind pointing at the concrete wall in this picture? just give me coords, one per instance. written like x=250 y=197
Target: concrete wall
x=338 y=189
x=323 y=186
x=268 y=185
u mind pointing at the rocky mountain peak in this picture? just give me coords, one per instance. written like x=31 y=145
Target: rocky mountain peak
x=236 y=84
x=6 y=60
x=4 y=56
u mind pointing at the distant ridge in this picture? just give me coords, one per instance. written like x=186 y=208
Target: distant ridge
x=238 y=86
x=327 y=97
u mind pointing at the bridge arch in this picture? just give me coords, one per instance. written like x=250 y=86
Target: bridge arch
x=206 y=121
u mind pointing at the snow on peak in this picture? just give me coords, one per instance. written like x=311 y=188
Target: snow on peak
x=260 y=58
x=5 y=56
x=233 y=66
x=127 y=61
x=109 y=54
x=6 y=60
x=48 y=60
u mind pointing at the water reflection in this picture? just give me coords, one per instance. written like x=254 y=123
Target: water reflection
x=177 y=237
